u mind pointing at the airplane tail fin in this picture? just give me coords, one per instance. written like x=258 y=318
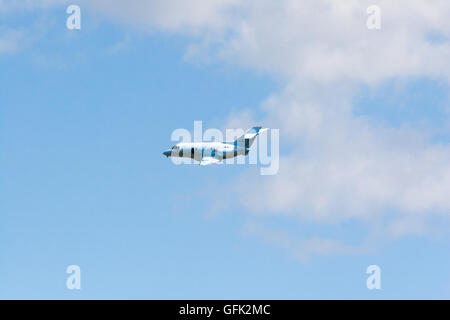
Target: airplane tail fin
x=249 y=137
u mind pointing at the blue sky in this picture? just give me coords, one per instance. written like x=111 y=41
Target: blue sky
x=83 y=180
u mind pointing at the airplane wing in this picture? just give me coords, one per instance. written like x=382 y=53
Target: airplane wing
x=208 y=160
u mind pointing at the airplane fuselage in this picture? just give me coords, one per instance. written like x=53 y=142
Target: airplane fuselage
x=199 y=150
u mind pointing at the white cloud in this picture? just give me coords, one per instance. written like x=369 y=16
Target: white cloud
x=11 y=6
x=327 y=41
x=342 y=167
x=16 y=38
x=119 y=46
x=316 y=41
x=187 y=17
x=301 y=249
x=10 y=40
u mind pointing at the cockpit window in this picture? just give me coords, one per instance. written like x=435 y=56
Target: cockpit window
x=175 y=147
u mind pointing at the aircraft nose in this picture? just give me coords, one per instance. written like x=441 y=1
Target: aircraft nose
x=167 y=153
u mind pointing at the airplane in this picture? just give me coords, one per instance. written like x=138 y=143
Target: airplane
x=214 y=152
